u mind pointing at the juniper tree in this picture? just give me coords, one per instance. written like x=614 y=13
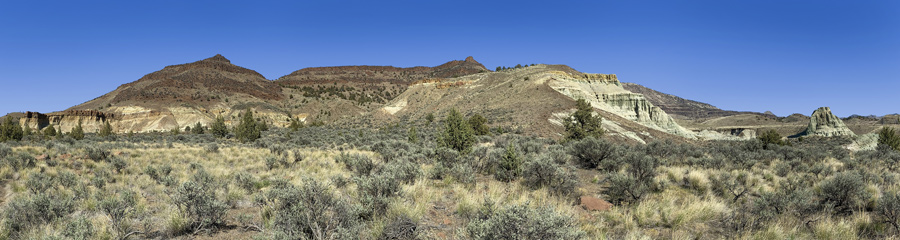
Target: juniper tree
x=218 y=127
x=583 y=123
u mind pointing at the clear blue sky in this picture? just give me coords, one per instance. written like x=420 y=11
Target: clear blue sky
x=785 y=56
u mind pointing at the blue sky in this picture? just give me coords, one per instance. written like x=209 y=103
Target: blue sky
x=781 y=56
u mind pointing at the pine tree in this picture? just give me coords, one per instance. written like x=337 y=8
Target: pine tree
x=457 y=134
x=583 y=123
x=77 y=133
x=218 y=127
x=49 y=131
x=106 y=130
x=477 y=122
x=10 y=130
x=247 y=130
x=198 y=129
x=295 y=124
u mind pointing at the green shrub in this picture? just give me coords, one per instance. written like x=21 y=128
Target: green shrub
x=119 y=208
x=375 y=193
x=412 y=135
x=49 y=131
x=888 y=209
x=591 y=152
x=583 y=123
x=843 y=191
x=510 y=165
x=106 y=130
x=248 y=130
x=79 y=228
x=295 y=124
x=119 y=164
x=97 y=153
x=477 y=122
x=29 y=211
x=198 y=129
x=196 y=199
x=521 y=222
x=635 y=182
x=770 y=137
x=10 y=130
x=77 y=133
x=218 y=127
x=888 y=137
x=457 y=134
x=542 y=171
x=360 y=164
x=400 y=228
x=732 y=186
x=310 y=212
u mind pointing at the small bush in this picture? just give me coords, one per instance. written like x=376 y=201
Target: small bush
x=211 y=148
x=770 y=137
x=843 y=191
x=401 y=228
x=77 y=133
x=79 y=228
x=119 y=208
x=521 y=222
x=477 y=122
x=360 y=164
x=375 y=192
x=591 y=152
x=636 y=181
x=888 y=137
x=27 y=211
x=310 y=212
x=196 y=199
x=97 y=153
x=889 y=209
x=542 y=171
x=510 y=165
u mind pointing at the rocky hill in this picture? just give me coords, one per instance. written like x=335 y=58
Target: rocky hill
x=679 y=107
x=823 y=123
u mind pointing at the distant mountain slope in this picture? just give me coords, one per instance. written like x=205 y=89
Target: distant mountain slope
x=680 y=107
x=203 y=82
x=367 y=84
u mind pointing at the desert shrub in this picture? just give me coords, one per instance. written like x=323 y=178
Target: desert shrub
x=888 y=137
x=21 y=161
x=295 y=124
x=196 y=199
x=732 y=185
x=542 y=171
x=770 y=137
x=448 y=162
x=888 y=208
x=400 y=228
x=521 y=222
x=28 y=211
x=404 y=170
x=211 y=148
x=218 y=127
x=843 y=191
x=510 y=166
x=311 y=211
x=635 y=182
x=457 y=133
x=79 y=228
x=360 y=164
x=591 y=152
x=246 y=181
x=97 y=153
x=248 y=130
x=582 y=123
x=119 y=208
x=477 y=122
x=49 y=131
x=375 y=192
x=790 y=197
x=161 y=174
x=118 y=164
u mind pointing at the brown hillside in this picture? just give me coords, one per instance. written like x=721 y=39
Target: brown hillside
x=679 y=107
x=203 y=82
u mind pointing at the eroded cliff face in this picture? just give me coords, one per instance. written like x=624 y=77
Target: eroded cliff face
x=823 y=123
x=604 y=91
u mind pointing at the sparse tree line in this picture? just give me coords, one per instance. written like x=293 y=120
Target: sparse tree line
x=504 y=68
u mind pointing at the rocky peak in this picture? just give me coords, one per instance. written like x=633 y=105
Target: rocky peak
x=823 y=123
x=471 y=59
x=218 y=58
